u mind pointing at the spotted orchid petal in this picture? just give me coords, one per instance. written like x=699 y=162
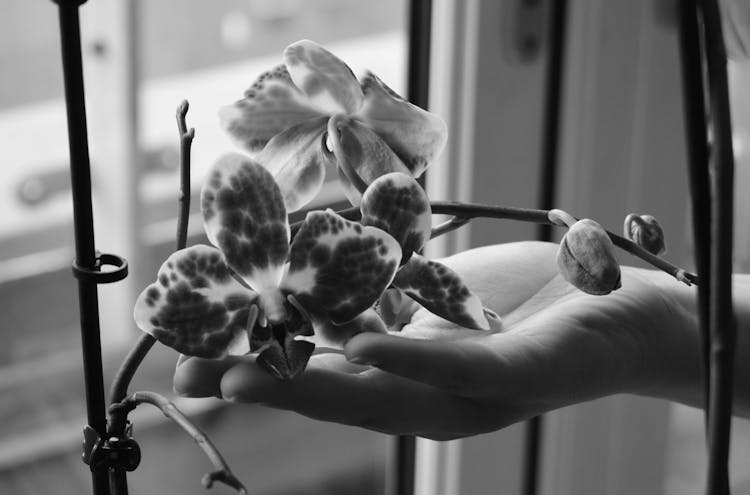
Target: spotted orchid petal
x=417 y=136
x=339 y=268
x=326 y=80
x=196 y=306
x=273 y=103
x=358 y=148
x=245 y=217
x=297 y=159
x=396 y=203
x=441 y=291
x=328 y=334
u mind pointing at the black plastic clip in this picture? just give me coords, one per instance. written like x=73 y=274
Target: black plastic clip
x=95 y=275
x=117 y=452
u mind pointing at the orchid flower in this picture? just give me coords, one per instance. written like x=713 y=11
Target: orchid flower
x=312 y=110
x=253 y=291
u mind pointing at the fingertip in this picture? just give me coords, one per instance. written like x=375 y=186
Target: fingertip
x=365 y=348
x=199 y=377
x=247 y=382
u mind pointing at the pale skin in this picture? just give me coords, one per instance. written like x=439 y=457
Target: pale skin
x=558 y=346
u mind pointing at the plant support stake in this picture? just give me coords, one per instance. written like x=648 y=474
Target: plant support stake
x=88 y=263
x=721 y=316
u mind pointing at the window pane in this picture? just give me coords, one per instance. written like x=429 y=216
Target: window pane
x=208 y=53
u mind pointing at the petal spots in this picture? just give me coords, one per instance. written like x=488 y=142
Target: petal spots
x=245 y=217
x=326 y=80
x=417 y=136
x=339 y=268
x=196 y=306
x=441 y=291
x=273 y=103
x=396 y=203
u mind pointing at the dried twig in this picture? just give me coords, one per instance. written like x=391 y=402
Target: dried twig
x=186 y=141
x=135 y=357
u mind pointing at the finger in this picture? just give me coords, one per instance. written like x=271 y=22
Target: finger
x=372 y=400
x=199 y=377
x=464 y=368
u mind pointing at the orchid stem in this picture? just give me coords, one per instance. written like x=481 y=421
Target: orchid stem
x=135 y=357
x=449 y=226
x=465 y=212
x=222 y=472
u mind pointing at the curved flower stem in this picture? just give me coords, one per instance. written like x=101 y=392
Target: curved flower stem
x=222 y=472
x=133 y=360
x=449 y=226
x=129 y=365
x=468 y=211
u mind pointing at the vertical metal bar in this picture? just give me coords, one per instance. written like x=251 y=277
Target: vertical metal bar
x=696 y=138
x=722 y=322
x=418 y=60
x=418 y=80
x=549 y=165
x=80 y=172
x=552 y=111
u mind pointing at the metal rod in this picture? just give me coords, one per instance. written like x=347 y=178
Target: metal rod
x=533 y=428
x=80 y=173
x=418 y=81
x=552 y=111
x=722 y=322
x=696 y=138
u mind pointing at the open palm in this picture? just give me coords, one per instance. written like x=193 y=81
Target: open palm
x=557 y=346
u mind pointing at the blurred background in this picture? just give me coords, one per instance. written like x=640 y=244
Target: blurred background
x=621 y=150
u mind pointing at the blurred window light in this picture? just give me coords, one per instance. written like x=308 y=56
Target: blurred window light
x=208 y=53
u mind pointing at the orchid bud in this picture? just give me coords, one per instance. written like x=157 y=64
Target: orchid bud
x=645 y=231
x=586 y=258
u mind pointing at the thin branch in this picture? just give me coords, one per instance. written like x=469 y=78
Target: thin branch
x=133 y=360
x=222 y=472
x=468 y=211
x=186 y=141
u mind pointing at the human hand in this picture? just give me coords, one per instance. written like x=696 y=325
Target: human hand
x=558 y=346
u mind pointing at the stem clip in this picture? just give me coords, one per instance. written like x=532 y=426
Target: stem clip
x=116 y=452
x=94 y=273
